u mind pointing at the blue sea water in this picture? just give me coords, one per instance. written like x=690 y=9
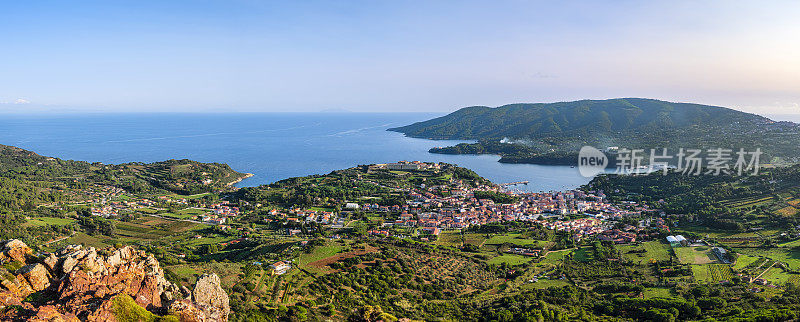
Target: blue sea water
x=272 y=146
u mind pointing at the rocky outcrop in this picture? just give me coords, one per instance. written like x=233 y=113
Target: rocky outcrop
x=209 y=296
x=15 y=250
x=77 y=283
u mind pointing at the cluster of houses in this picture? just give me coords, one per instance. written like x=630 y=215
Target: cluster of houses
x=104 y=211
x=217 y=214
x=297 y=215
x=617 y=236
x=407 y=166
x=454 y=206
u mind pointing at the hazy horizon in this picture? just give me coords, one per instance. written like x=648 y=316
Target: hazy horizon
x=250 y=56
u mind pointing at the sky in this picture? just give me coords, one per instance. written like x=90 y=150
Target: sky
x=393 y=56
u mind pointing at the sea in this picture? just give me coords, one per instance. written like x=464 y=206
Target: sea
x=271 y=146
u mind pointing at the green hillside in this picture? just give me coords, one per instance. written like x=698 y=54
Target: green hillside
x=179 y=176
x=556 y=130
x=587 y=116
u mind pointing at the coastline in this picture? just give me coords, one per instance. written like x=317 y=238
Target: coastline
x=242 y=178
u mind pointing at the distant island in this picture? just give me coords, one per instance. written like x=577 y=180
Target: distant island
x=553 y=133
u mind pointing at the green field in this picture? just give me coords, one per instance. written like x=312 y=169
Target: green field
x=510 y=259
x=515 y=239
x=700 y=273
x=449 y=238
x=182 y=271
x=790 y=244
x=653 y=250
x=694 y=255
x=43 y=221
x=188 y=213
x=545 y=283
x=777 y=276
x=652 y=292
x=743 y=261
x=319 y=252
x=787 y=256
x=320 y=209
x=582 y=254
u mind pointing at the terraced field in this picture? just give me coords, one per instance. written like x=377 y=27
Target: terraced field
x=744 y=202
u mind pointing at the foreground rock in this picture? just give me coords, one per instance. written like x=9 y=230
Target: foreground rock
x=80 y=284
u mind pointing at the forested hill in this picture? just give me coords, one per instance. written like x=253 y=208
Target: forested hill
x=553 y=133
x=586 y=116
x=181 y=176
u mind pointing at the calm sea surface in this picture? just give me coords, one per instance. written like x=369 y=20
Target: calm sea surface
x=271 y=146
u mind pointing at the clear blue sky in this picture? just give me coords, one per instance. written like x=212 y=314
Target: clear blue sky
x=394 y=55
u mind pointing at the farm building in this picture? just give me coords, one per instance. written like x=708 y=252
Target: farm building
x=677 y=241
x=279 y=268
x=721 y=254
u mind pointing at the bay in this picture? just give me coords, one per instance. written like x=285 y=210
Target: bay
x=272 y=146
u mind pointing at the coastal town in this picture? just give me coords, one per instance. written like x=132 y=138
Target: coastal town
x=428 y=210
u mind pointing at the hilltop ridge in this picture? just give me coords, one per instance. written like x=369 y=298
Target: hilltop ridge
x=554 y=132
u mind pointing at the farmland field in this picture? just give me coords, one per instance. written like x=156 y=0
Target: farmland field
x=42 y=221
x=743 y=261
x=510 y=259
x=695 y=255
x=514 y=239
x=719 y=273
x=790 y=244
x=653 y=250
x=652 y=292
x=776 y=276
x=545 y=283
x=555 y=257
x=790 y=257
x=582 y=254
x=319 y=253
x=700 y=273
x=787 y=211
x=449 y=238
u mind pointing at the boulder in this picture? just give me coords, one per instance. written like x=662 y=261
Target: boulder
x=16 y=250
x=49 y=313
x=51 y=261
x=186 y=311
x=68 y=264
x=211 y=298
x=37 y=276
